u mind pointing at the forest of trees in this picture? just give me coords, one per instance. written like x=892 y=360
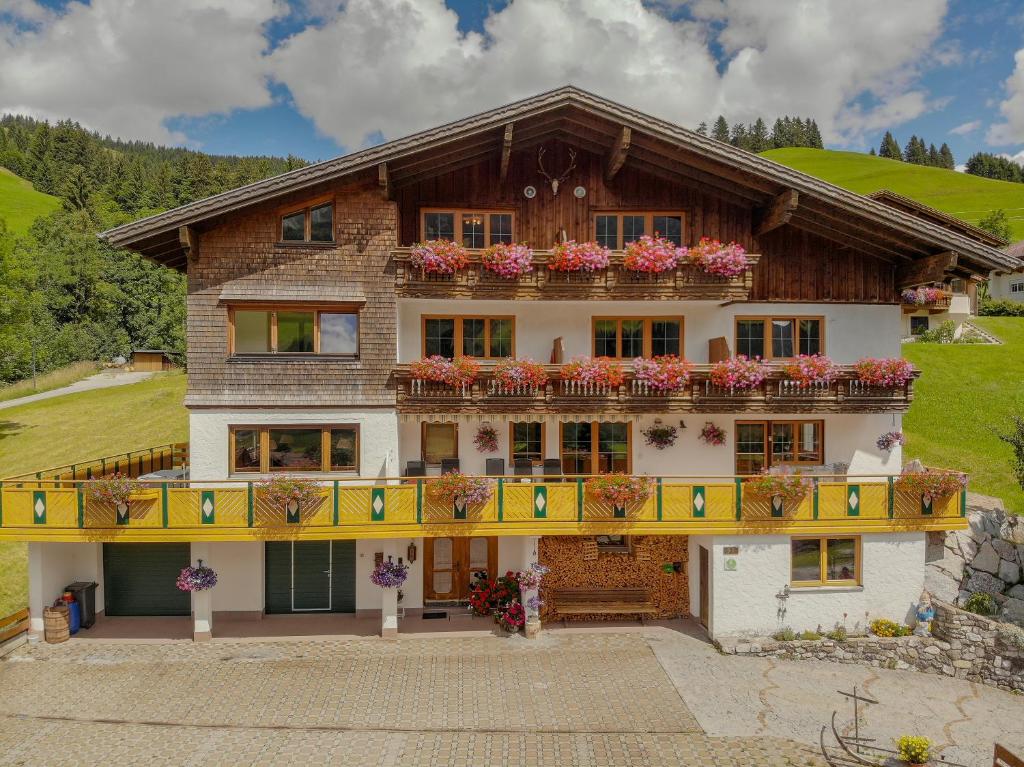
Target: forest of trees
x=755 y=137
x=994 y=166
x=65 y=295
x=916 y=152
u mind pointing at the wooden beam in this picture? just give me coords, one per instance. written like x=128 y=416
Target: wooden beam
x=384 y=180
x=506 y=153
x=618 y=154
x=845 y=240
x=189 y=242
x=925 y=270
x=779 y=212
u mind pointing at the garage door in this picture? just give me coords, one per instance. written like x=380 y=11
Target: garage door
x=139 y=578
x=310 y=576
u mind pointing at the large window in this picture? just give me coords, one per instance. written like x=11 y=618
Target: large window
x=593 y=447
x=473 y=228
x=301 y=449
x=616 y=229
x=779 y=337
x=440 y=441
x=313 y=223
x=485 y=337
x=526 y=441
x=628 y=337
x=293 y=330
x=825 y=561
x=763 y=444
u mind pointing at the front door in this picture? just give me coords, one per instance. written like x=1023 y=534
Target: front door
x=704 y=596
x=450 y=564
x=309 y=576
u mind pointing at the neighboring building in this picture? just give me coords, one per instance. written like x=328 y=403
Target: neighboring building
x=1008 y=285
x=305 y=312
x=151 y=360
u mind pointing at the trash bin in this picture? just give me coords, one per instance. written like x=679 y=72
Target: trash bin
x=85 y=595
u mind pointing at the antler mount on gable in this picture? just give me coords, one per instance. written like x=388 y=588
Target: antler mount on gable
x=555 y=182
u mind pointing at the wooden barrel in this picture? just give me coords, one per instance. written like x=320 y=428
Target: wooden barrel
x=56 y=624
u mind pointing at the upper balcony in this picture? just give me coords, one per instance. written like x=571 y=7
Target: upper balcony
x=616 y=282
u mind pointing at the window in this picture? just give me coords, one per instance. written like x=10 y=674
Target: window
x=825 y=561
x=595 y=447
x=779 y=337
x=301 y=449
x=612 y=544
x=485 y=337
x=629 y=337
x=440 y=441
x=526 y=440
x=616 y=230
x=473 y=228
x=763 y=444
x=918 y=324
x=958 y=285
x=293 y=330
x=314 y=223
x=1017 y=287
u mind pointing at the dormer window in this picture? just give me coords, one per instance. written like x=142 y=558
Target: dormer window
x=314 y=223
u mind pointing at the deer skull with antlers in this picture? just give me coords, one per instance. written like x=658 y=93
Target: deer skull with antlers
x=555 y=182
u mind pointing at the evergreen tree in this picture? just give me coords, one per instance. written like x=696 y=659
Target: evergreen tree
x=889 y=148
x=933 y=157
x=702 y=129
x=778 y=137
x=814 y=135
x=738 y=136
x=720 y=131
x=873 y=153
x=757 y=136
x=991 y=166
x=946 y=157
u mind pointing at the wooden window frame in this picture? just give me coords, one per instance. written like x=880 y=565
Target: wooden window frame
x=264 y=437
x=595 y=441
x=423 y=439
x=767 y=319
x=767 y=442
x=511 y=442
x=307 y=208
x=316 y=309
x=626 y=547
x=823 y=580
x=648 y=223
x=648 y=334
x=458 y=214
x=459 y=338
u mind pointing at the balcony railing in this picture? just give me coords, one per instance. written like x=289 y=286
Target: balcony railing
x=615 y=282
x=940 y=303
x=777 y=394
x=133 y=463
x=384 y=508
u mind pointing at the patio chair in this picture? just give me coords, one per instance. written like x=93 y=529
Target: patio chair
x=416 y=469
x=522 y=467
x=449 y=464
x=552 y=470
x=495 y=467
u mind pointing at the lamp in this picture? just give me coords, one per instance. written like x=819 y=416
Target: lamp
x=410 y=552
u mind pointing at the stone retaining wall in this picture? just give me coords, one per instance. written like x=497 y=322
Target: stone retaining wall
x=964 y=645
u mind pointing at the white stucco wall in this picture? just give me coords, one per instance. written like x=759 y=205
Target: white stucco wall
x=52 y=566
x=745 y=601
x=999 y=286
x=240 y=579
x=368 y=596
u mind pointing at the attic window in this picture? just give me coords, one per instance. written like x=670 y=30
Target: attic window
x=311 y=224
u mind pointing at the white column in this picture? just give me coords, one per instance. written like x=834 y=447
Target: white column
x=36 y=598
x=202 y=601
x=530 y=554
x=389 y=597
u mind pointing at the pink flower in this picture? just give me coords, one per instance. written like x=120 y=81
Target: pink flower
x=600 y=371
x=513 y=374
x=460 y=371
x=887 y=372
x=651 y=255
x=738 y=372
x=666 y=373
x=715 y=258
x=811 y=369
x=509 y=261
x=575 y=256
x=439 y=256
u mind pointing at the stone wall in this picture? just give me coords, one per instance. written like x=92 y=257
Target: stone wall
x=964 y=645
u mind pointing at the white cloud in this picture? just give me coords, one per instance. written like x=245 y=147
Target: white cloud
x=964 y=128
x=123 y=67
x=1012 y=109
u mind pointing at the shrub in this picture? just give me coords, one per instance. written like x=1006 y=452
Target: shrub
x=883 y=627
x=785 y=634
x=914 y=749
x=838 y=634
x=1002 y=308
x=943 y=334
x=980 y=603
x=810 y=636
x=1015 y=439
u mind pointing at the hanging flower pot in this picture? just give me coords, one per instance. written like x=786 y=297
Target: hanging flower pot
x=291 y=495
x=117 y=490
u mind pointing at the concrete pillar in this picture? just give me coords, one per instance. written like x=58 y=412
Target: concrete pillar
x=202 y=601
x=36 y=599
x=530 y=554
x=389 y=613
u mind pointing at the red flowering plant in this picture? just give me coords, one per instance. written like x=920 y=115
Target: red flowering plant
x=486 y=439
x=666 y=373
x=455 y=486
x=922 y=296
x=809 y=369
x=461 y=371
x=792 y=486
x=713 y=257
x=490 y=596
x=438 y=256
x=739 y=372
x=575 y=256
x=652 y=255
x=886 y=372
x=511 y=375
x=620 y=490
x=508 y=260
x=936 y=483
x=512 y=617
x=597 y=371
x=712 y=434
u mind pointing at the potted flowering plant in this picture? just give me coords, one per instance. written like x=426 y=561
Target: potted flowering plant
x=713 y=257
x=667 y=373
x=486 y=439
x=199 y=578
x=931 y=483
x=884 y=372
x=458 y=488
x=712 y=435
x=595 y=371
x=660 y=435
x=512 y=375
x=651 y=255
x=575 y=256
x=459 y=372
x=512 y=617
x=117 y=490
x=389 y=574
x=438 y=256
x=738 y=373
x=291 y=494
x=807 y=370
x=915 y=750
x=782 y=487
x=922 y=296
x=508 y=260
x=620 y=490
x=890 y=439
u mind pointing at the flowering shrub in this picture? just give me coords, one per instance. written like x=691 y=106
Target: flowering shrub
x=620 y=489
x=712 y=435
x=461 y=371
x=488 y=597
x=665 y=373
x=511 y=374
x=512 y=617
x=438 y=256
x=509 y=260
x=651 y=254
x=811 y=369
x=281 y=491
x=738 y=372
x=660 y=436
x=936 y=483
x=922 y=296
x=389 y=575
x=883 y=627
x=531 y=579
x=116 y=489
x=456 y=486
x=890 y=439
x=593 y=370
x=198 y=578
x=889 y=372
x=486 y=439
x=914 y=749
x=713 y=257
x=792 y=486
x=575 y=256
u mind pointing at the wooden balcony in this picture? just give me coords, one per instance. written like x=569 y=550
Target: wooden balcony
x=937 y=306
x=775 y=395
x=615 y=282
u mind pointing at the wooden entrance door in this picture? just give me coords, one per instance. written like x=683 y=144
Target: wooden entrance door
x=449 y=565
x=704 y=596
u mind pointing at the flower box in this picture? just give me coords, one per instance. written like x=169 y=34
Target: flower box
x=593 y=371
x=651 y=255
x=884 y=372
x=667 y=373
x=923 y=296
x=575 y=256
x=712 y=257
x=508 y=260
x=620 y=490
x=809 y=370
x=461 y=371
x=512 y=376
x=458 y=488
x=788 y=487
x=738 y=373
x=438 y=257
x=933 y=483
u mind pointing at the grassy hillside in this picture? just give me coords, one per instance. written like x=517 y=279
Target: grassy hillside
x=968 y=197
x=965 y=391
x=20 y=204
x=86 y=425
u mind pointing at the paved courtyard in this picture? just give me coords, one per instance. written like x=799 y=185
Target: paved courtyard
x=656 y=696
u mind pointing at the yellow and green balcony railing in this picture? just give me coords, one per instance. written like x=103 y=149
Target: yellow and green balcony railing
x=49 y=510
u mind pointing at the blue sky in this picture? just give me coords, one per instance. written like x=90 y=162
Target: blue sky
x=327 y=77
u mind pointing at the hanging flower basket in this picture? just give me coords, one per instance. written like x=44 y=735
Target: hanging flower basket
x=712 y=435
x=620 y=490
x=458 y=488
x=289 y=494
x=667 y=373
x=738 y=373
x=651 y=255
x=890 y=439
x=884 y=372
x=438 y=256
x=808 y=370
x=934 y=483
x=200 y=578
x=508 y=260
x=575 y=256
x=486 y=439
x=512 y=375
x=596 y=371
x=461 y=371
x=922 y=296
x=389 y=575
x=532 y=577
x=713 y=257
x=791 y=487
x=660 y=435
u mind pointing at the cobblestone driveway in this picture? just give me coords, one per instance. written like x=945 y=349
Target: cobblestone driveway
x=565 y=699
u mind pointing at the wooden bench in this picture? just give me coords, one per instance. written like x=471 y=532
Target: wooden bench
x=603 y=602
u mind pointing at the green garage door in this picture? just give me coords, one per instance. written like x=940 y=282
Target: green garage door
x=139 y=578
x=310 y=576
